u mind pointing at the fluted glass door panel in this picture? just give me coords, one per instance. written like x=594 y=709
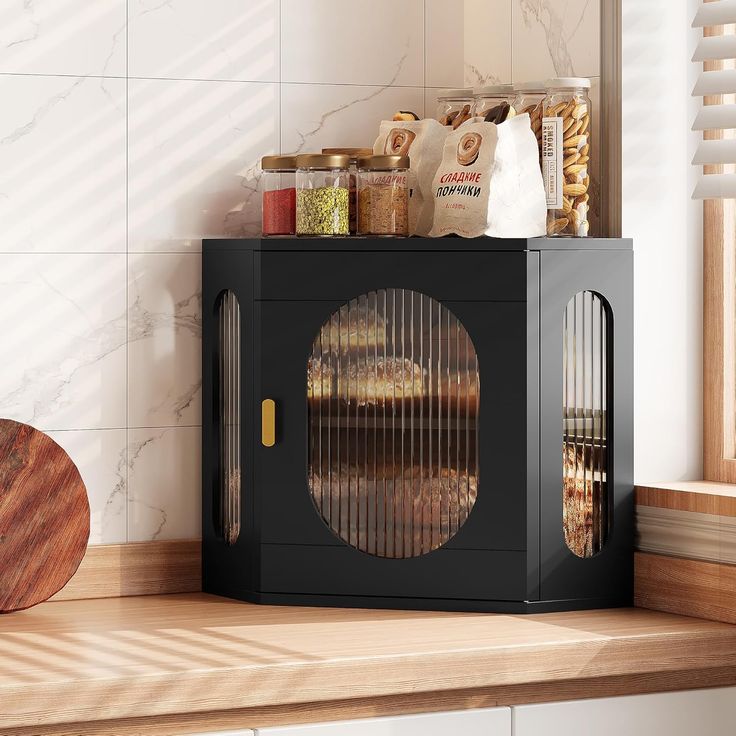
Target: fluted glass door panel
x=585 y=409
x=393 y=395
x=228 y=502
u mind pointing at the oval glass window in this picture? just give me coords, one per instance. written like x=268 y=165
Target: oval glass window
x=393 y=395
x=585 y=430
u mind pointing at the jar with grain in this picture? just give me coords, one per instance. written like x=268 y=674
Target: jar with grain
x=529 y=97
x=354 y=154
x=322 y=195
x=383 y=196
x=489 y=98
x=454 y=106
x=566 y=131
x=278 y=200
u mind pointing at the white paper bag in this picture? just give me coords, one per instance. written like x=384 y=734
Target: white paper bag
x=422 y=141
x=490 y=182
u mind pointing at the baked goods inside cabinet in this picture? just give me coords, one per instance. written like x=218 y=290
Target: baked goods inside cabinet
x=393 y=392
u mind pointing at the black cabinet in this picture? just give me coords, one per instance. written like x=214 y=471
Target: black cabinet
x=418 y=423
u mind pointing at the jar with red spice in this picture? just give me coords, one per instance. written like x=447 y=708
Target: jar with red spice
x=279 y=196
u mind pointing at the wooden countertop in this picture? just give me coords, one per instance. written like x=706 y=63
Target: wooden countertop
x=71 y=661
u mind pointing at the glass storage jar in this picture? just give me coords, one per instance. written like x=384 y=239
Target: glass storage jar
x=354 y=154
x=529 y=97
x=322 y=194
x=488 y=98
x=278 y=201
x=454 y=105
x=566 y=131
x=383 y=196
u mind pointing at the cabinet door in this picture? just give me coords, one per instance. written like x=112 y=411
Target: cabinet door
x=701 y=712
x=487 y=722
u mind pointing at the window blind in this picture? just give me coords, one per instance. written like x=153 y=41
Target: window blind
x=717 y=86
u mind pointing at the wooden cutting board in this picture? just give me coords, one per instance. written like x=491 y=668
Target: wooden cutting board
x=44 y=517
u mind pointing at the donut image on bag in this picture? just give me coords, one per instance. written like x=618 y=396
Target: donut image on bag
x=489 y=182
x=469 y=148
x=399 y=142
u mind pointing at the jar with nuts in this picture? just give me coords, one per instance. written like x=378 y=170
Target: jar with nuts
x=529 y=99
x=566 y=130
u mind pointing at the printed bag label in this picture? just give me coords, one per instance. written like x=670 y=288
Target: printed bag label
x=552 y=161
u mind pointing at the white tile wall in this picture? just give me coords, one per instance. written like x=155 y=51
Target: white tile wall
x=62 y=164
x=556 y=38
x=192 y=39
x=164 y=339
x=76 y=37
x=122 y=145
x=378 y=42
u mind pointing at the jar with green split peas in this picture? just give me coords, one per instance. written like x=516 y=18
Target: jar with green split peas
x=322 y=195
x=354 y=154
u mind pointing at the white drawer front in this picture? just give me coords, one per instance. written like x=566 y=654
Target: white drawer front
x=487 y=722
x=691 y=713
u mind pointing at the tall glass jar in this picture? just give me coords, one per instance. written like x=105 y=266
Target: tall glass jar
x=322 y=195
x=529 y=98
x=566 y=131
x=383 y=196
x=488 y=98
x=354 y=154
x=454 y=105
x=278 y=199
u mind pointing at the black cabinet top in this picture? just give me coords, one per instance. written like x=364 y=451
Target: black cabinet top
x=359 y=244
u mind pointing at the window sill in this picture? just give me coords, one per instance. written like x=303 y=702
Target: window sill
x=686 y=542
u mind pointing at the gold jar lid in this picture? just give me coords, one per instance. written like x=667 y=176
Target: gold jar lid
x=354 y=153
x=383 y=162
x=278 y=162
x=322 y=161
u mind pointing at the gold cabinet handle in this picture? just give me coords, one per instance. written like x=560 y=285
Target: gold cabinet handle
x=268 y=422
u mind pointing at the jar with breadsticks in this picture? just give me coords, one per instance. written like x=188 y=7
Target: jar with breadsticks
x=489 y=98
x=528 y=99
x=566 y=152
x=455 y=106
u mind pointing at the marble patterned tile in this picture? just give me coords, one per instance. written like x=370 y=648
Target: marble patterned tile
x=164 y=339
x=365 y=43
x=75 y=37
x=430 y=101
x=445 y=44
x=101 y=457
x=191 y=39
x=487 y=42
x=164 y=482
x=556 y=38
x=194 y=152
x=62 y=164
x=317 y=116
x=62 y=318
